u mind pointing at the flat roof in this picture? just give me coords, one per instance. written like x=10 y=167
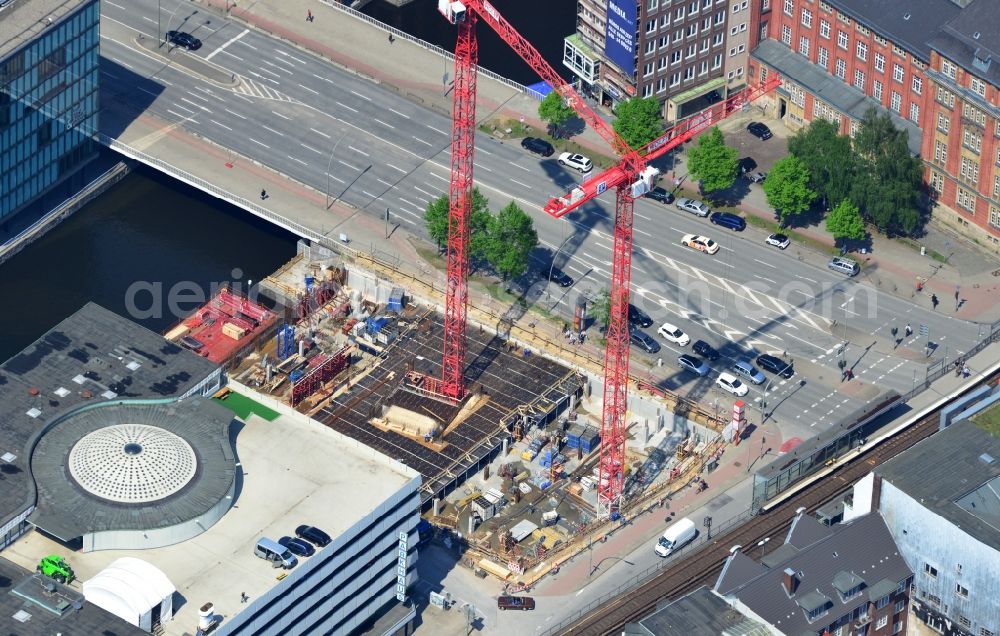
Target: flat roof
x=906 y=23
x=41 y=616
x=23 y=20
x=294 y=471
x=699 y=612
x=954 y=473
x=92 y=356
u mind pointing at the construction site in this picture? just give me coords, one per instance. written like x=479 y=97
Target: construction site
x=510 y=471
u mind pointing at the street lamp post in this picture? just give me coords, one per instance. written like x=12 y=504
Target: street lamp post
x=763 y=399
x=329 y=164
x=761 y=544
x=554 y=257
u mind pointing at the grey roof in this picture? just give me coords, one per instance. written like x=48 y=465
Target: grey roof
x=67 y=511
x=971 y=39
x=23 y=20
x=21 y=590
x=880 y=589
x=946 y=475
x=845 y=581
x=907 y=23
x=863 y=546
x=804 y=532
x=92 y=352
x=842 y=96
x=779 y=555
x=700 y=612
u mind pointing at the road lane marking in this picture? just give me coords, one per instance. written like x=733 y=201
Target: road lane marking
x=259 y=142
x=479 y=167
x=395 y=168
x=344 y=163
x=236 y=114
x=310 y=148
x=404 y=115
x=335 y=178
x=437 y=130
x=314 y=92
x=322 y=134
x=218 y=124
x=299 y=160
x=384 y=124
x=521 y=184
x=226 y=44
x=364 y=97
x=274 y=112
x=118 y=6
x=517 y=166
x=767 y=264
x=272 y=130
x=422 y=191
x=184 y=117
x=360 y=152
x=345 y=106
x=421 y=141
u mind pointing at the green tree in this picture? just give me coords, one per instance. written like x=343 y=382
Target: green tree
x=436 y=219
x=554 y=111
x=712 y=162
x=845 y=222
x=829 y=158
x=600 y=308
x=787 y=188
x=512 y=236
x=888 y=181
x=638 y=121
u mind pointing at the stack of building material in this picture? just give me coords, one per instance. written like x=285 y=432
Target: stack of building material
x=545 y=457
x=397 y=301
x=233 y=331
x=589 y=439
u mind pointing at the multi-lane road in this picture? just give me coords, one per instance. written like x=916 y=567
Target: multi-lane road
x=364 y=144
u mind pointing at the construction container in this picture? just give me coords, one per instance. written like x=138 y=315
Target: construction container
x=590 y=439
x=296 y=375
x=233 y=331
x=528 y=455
x=374 y=325
x=397 y=301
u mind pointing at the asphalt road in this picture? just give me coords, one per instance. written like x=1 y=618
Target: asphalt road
x=366 y=145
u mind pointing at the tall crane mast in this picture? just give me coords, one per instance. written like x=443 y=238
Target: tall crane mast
x=631 y=178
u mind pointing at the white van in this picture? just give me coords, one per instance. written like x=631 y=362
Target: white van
x=277 y=554
x=676 y=536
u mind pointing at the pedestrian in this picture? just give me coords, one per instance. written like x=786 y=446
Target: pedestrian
x=934 y=301
x=850 y=375
x=895 y=340
x=908 y=330
x=243 y=597
x=392 y=38
x=263 y=194
x=966 y=372
x=309 y=15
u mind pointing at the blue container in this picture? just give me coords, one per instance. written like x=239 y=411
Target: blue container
x=375 y=325
x=396 y=300
x=296 y=375
x=545 y=484
x=572 y=442
x=309 y=283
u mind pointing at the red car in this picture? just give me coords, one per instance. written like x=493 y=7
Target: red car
x=516 y=603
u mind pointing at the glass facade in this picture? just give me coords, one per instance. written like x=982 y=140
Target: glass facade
x=48 y=107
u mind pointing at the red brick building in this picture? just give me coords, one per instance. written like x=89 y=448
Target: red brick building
x=917 y=59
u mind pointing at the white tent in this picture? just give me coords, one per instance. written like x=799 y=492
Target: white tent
x=133 y=590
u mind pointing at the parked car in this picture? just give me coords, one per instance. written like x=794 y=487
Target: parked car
x=780 y=241
x=516 y=603
x=313 y=535
x=537 y=146
x=693 y=364
x=757 y=177
x=727 y=219
x=575 y=161
x=705 y=350
x=676 y=537
x=775 y=365
x=731 y=384
x=560 y=277
x=671 y=333
x=748 y=371
x=759 y=130
x=643 y=340
x=661 y=195
x=694 y=207
x=185 y=40
x=700 y=243
x=844 y=266
x=298 y=547
x=638 y=317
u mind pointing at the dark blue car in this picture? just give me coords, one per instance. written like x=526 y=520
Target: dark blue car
x=729 y=220
x=297 y=547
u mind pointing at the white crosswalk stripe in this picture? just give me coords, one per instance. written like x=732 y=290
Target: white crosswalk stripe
x=252 y=88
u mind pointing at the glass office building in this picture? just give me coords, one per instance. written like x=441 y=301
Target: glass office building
x=48 y=95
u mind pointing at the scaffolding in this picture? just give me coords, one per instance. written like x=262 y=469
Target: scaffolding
x=285 y=342
x=321 y=369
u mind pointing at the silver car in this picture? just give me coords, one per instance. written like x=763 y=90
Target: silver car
x=694 y=207
x=844 y=266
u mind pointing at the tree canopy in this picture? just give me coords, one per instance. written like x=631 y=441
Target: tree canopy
x=845 y=222
x=512 y=236
x=436 y=217
x=787 y=188
x=829 y=158
x=638 y=121
x=712 y=162
x=888 y=182
x=600 y=308
x=554 y=111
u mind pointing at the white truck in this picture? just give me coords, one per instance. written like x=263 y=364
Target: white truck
x=676 y=536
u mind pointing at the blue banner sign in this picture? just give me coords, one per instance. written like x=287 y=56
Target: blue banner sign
x=619 y=42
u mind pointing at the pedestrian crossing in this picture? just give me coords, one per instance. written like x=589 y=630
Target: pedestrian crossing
x=255 y=88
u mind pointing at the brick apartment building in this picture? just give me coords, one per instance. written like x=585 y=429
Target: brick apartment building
x=675 y=50
x=927 y=62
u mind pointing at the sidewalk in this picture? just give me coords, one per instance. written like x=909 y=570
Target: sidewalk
x=361 y=45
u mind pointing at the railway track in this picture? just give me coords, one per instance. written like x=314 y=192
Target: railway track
x=704 y=566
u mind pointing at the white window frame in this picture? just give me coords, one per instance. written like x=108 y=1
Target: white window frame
x=786 y=35
x=898 y=73
x=877 y=90
x=823 y=57
x=807 y=18
x=879 y=62
x=804 y=46
x=859 y=79
x=789 y=8
x=918 y=85
x=915 y=112
x=895 y=101
x=862 y=51
x=824 y=29
x=840 y=69
x=843 y=40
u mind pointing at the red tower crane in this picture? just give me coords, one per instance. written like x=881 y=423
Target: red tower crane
x=631 y=178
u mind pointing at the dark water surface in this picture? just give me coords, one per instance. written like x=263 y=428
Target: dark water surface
x=148 y=232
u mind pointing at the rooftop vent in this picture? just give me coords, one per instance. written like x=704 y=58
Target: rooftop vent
x=109 y=395
x=33 y=412
x=21 y=616
x=33 y=391
x=133 y=365
x=986 y=458
x=906 y=16
x=975 y=36
x=8 y=457
x=79 y=379
x=86 y=394
x=61 y=392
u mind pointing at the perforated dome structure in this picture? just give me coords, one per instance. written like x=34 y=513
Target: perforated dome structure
x=131 y=589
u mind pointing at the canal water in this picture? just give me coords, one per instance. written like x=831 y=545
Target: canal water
x=141 y=249
x=544 y=23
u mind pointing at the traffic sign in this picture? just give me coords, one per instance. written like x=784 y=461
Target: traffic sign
x=602 y=187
